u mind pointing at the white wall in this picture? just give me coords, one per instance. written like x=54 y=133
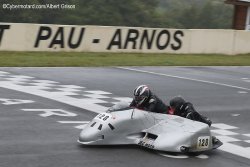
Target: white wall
x=41 y=37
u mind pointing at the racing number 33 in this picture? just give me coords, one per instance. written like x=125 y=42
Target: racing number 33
x=203 y=142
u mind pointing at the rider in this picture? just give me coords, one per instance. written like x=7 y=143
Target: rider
x=144 y=99
x=178 y=106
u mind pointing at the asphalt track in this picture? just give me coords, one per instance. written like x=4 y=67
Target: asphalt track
x=42 y=111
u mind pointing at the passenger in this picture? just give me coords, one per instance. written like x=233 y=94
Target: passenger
x=178 y=106
x=144 y=99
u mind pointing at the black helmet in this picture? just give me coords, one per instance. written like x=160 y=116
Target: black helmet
x=176 y=102
x=141 y=93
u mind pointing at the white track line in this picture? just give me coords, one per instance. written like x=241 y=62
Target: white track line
x=186 y=78
x=237 y=150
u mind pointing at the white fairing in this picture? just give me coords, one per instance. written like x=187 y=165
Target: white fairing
x=153 y=130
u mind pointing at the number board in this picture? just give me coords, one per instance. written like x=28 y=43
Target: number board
x=103 y=116
x=203 y=142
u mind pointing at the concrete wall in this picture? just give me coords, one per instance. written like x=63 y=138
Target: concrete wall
x=41 y=37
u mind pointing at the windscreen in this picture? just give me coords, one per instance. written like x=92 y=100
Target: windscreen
x=119 y=107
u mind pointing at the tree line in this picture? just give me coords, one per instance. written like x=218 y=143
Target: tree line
x=207 y=14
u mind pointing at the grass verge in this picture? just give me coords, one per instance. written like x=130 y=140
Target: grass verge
x=76 y=59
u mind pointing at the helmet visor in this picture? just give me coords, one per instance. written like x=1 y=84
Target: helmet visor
x=139 y=98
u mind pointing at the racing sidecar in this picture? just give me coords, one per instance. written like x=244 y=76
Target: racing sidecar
x=122 y=125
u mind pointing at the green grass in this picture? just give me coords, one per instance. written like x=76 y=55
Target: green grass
x=73 y=59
